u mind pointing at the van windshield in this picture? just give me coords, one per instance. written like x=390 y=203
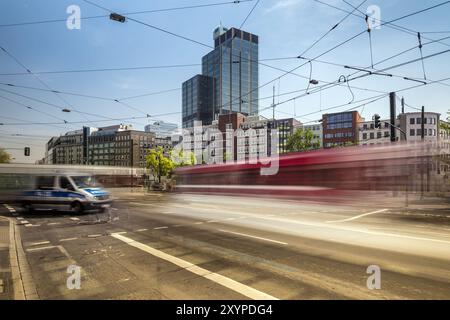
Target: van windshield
x=85 y=181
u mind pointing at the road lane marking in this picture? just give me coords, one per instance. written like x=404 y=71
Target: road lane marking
x=254 y=237
x=67 y=239
x=141 y=230
x=357 y=217
x=94 y=235
x=215 y=277
x=53 y=223
x=200 y=222
x=40 y=248
x=121 y=232
x=75 y=219
x=212 y=221
x=38 y=243
x=159 y=228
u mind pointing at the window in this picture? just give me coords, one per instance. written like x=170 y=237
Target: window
x=45 y=182
x=412 y=121
x=364 y=136
x=64 y=183
x=419 y=121
x=386 y=134
x=379 y=135
x=365 y=127
x=412 y=132
x=372 y=135
x=419 y=132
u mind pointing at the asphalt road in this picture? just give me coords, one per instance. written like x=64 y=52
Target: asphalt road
x=182 y=246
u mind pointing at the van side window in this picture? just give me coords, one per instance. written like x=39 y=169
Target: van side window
x=45 y=183
x=65 y=184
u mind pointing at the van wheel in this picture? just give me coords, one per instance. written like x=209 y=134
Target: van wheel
x=76 y=208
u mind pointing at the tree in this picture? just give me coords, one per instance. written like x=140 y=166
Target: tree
x=5 y=157
x=301 y=140
x=181 y=158
x=159 y=164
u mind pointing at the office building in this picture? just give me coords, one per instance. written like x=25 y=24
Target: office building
x=162 y=129
x=229 y=79
x=341 y=129
x=117 y=145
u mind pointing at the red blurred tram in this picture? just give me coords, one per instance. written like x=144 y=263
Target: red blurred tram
x=323 y=174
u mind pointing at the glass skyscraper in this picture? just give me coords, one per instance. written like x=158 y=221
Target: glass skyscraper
x=232 y=69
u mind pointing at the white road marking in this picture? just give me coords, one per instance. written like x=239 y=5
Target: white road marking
x=94 y=235
x=53 y=223
x=38 y=243
x=19 y=218
x=359 y=216
x=200 y=222
x=40 y=248
x=75 y=219
x=67 y=239
x=254 y=237
x=121 y=232
x=158 y=228
x=212 y=221
x=141 y=230
x=215 y=277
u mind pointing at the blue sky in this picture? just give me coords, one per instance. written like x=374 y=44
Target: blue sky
x=285 y=27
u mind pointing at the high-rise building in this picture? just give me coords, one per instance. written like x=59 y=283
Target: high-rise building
x=229 y=79
x=197 y=100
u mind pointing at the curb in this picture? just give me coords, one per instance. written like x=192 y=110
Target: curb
x=23 y=283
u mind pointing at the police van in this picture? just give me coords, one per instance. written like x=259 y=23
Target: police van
x=74 y=192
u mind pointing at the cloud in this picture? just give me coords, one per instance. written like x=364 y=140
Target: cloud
x=283 y=4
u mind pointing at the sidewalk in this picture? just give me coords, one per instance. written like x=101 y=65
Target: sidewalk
x=6 y=286
x=16 y=281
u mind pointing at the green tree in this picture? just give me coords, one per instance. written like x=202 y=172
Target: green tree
x=159 y=163
x=301 y=140
x=181 y=158
x=5 y=157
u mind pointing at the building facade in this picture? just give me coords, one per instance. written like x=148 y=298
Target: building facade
x=117 y=145
x=229 y=80
x=340 y=129
x=197 y=100
x=162 y=129
x=411 y=123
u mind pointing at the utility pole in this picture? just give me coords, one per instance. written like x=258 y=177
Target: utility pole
x=403 y=105
x=273 y=103
x=423 y=123
x=393 y=114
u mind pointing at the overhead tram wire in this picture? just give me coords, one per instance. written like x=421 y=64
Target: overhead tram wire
x=206 y=45
x=84 y=122
x=390 y=24
x=9 y=54
x=34 y=109
x=249 y=14
x=129 y=13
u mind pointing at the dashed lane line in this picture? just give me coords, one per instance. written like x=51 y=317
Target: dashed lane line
x=254 y=237
x=215 y=277
x=67 y=239
x=38 y=243
x=159 y=228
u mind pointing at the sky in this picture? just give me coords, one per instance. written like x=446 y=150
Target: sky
x=286 y=29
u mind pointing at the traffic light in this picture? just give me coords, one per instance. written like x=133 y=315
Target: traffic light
x=376 y=119
x=27 y=151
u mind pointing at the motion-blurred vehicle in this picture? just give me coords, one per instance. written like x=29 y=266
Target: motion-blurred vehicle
x=74 y=192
